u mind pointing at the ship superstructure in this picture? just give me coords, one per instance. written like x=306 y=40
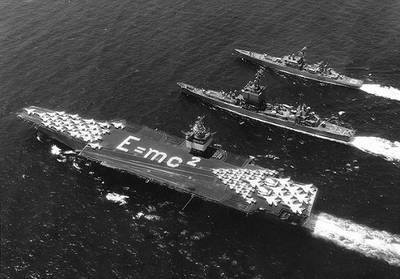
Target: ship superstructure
x=191 y=165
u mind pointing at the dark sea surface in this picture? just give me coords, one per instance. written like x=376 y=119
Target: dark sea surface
x=122 y=59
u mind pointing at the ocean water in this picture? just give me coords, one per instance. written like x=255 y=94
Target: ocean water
x=66 y=218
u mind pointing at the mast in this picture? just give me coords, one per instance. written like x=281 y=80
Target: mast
x=252 y=91
x=199 y=137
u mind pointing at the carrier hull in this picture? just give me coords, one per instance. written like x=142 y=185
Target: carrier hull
x=165 y=160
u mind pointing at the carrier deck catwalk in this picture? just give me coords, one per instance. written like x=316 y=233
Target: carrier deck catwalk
x=295 y=64
x=190 y=165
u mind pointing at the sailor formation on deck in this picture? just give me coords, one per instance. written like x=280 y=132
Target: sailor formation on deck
x=257 y=186
x=275 y=191
x=88 y=130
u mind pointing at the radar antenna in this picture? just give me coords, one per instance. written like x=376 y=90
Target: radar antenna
x=199 y=137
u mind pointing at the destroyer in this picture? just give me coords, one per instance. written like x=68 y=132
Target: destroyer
x=249 y=104
x=191 y=165
x=295 y=64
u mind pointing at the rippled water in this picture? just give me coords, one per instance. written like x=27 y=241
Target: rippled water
x=122 y=59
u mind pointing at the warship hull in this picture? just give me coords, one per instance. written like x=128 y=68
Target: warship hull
x=164 y=159
x=263 y=118
x=271 y=62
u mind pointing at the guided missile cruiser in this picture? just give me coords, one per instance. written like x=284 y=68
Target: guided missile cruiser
x=249 y=104
x=192 y=165
x=295 y=64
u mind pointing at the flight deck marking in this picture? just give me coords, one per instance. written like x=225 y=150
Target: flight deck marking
x=171 y=163
x=156 y=155
x=126 y=142
x=194 y=161
x=140 y=149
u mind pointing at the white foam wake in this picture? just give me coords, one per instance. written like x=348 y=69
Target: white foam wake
x=367 y=241
x=390 y=150
x=117 y=198
x=55 y=150
x=382 y=91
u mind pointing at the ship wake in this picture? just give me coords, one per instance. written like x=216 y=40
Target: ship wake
x=382 y=91
x=117 y=198
x=55 y=150
x=390 y=150
x=362 y=239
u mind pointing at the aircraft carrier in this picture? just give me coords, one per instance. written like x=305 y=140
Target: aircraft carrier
x=249 y=104
x=295 y=64
x=191 y=165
